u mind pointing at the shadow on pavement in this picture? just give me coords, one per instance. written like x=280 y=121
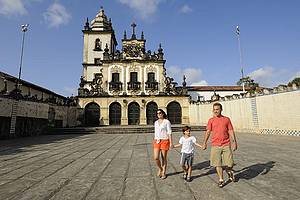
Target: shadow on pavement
x=203 y=165
x=253 y=171
x=17 y=145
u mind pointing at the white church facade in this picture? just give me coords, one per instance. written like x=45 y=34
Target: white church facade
x=126 y=86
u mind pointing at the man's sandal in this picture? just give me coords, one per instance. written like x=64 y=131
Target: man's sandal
x=221 y=183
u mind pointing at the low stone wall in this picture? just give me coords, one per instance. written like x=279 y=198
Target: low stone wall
x=32 y=118
x=275 y=111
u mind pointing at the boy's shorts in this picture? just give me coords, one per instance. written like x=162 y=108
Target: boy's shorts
x=187 y=158
x=221 y=156
x=161 y=144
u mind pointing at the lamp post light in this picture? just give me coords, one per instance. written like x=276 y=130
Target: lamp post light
x=24 y=29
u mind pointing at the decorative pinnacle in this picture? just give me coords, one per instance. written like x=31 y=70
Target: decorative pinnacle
x=142 y=36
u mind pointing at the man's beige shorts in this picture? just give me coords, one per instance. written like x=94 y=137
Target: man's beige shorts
x=221 y=156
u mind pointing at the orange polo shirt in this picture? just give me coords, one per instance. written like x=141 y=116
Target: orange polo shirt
x=219 y=127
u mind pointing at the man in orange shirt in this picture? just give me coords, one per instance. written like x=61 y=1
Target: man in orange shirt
x=221 y=129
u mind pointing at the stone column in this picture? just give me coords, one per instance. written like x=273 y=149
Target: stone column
x=125 y=77
x=143 y=79
x=143 y=118
x=124 y=118
x=104 y=115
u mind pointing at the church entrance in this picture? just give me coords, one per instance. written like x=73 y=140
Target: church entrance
x=133 y=114
x=151 y=113
x=92 y=114
x=115 y=114
x=174 y=112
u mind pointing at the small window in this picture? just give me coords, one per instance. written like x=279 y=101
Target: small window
x=98 y=45
x=133 y=77
x=115 y=77
x=151 y=77
x=97 y=61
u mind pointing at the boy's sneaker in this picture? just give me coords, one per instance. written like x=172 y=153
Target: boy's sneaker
x=231 y=176
x=221 y=183
x=184 y=175
x=188 y=179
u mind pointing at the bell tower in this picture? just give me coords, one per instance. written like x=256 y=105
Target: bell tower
x=98 y=37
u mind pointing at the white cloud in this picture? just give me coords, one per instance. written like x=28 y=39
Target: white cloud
x=12 y=7
x=57 y=15
x=193 y=75
x=144 y=8
x=200 y=83
x=185 y=9
x=270 y=77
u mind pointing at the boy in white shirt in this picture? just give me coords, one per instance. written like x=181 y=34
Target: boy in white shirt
x=187 y=152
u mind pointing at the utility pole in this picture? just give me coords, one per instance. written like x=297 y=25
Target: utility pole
x=241 y=57
x=24 y=29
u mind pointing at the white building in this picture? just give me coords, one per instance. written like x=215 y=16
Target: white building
x=126 y=86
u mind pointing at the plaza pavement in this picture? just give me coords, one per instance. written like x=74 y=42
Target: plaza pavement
x=115 y=166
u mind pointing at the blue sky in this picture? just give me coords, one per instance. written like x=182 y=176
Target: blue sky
x=198 y=38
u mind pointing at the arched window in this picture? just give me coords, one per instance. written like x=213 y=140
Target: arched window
x=174 y=112
x=115 y=114
x=151 y=113
x=92 y=114
x=98 y=45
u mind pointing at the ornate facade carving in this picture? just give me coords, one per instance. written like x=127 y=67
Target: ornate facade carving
x=133 y=68
x=151 y=69
x=116 y=69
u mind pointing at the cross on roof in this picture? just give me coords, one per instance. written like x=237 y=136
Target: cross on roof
x=133 y=30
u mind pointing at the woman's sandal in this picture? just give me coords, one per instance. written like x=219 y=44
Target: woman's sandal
x=231 y=176
x=221 y=183
x=159 y=173
x=163 y=176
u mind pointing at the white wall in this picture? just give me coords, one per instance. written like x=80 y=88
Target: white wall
x=266 y=113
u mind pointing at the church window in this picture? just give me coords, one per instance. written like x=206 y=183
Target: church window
x=133 y=77
x=97 y=61
x=151 y=77
x=98 y=45
x=115 y=77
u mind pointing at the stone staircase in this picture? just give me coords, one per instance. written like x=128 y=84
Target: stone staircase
x=133 y=129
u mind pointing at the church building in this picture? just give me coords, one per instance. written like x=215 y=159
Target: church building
x=126 y=86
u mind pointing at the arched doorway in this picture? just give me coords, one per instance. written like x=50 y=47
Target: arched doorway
x=151 y=112
x=174 y=112
x=133 y=114
x=92 y=114
x=115 y=114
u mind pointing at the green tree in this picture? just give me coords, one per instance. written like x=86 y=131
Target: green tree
x=248 y=82
x=296 y=81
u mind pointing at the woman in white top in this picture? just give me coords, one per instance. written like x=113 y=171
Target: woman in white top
x=162 y=142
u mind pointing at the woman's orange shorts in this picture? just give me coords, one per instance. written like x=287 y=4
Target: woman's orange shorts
x=163 y=144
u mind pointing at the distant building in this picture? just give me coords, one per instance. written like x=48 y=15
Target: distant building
x=126 y=86
x=27 y=90
x=206 y=93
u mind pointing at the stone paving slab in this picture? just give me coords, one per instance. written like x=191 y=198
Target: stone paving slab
x=120 y=166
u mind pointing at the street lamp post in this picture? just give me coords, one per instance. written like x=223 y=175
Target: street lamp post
x=241 y=57
x=24 y=29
